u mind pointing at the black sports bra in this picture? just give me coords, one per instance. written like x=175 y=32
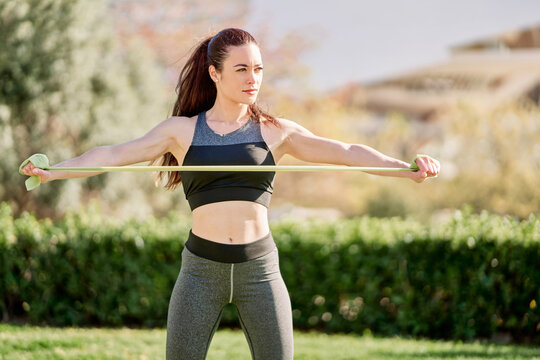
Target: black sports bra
x=244 y=146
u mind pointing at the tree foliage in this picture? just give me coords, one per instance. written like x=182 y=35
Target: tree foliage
x=67 y=86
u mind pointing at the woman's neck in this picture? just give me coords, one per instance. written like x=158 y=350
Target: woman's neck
x=227 y=112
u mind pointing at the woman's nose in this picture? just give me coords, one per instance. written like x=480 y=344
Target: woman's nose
x=251 y=78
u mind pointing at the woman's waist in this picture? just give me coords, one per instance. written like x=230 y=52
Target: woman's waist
x=229 y=253
x=231 y=222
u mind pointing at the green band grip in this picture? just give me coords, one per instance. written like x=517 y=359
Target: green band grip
x=414 y=165
x=41 y=161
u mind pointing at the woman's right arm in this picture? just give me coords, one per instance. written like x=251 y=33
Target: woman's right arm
x=155 y=143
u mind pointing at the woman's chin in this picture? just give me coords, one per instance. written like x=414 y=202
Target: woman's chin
x=251 y=101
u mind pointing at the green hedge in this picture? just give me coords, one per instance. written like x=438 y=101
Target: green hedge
x=475 y=275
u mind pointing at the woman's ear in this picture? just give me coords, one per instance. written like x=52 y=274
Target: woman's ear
x=213 y=73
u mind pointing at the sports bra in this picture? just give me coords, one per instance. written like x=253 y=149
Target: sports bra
x=244 y=146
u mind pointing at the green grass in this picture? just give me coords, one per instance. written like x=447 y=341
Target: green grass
x=76 y=343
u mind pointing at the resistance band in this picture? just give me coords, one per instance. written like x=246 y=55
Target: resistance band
x=42 y=162
x=230 y=168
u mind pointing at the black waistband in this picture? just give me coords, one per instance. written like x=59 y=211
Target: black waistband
x=229 y=253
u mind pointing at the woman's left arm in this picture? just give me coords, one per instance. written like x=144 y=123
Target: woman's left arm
x=304 y=145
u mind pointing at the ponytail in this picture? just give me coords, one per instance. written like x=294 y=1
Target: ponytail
x=196 y=90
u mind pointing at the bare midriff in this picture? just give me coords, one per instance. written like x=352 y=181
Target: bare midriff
x=231 y=222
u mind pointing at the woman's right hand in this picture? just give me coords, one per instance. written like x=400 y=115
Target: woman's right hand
x=44 y=175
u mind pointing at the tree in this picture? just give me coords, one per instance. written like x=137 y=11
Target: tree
x=68 y=86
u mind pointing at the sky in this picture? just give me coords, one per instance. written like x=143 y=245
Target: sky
x=366 y=41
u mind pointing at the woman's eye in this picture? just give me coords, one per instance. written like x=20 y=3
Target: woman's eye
x=244 y=69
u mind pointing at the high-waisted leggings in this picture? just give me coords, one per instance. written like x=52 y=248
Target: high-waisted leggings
x=205 y=286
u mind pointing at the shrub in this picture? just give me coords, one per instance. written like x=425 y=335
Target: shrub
x=472 y=276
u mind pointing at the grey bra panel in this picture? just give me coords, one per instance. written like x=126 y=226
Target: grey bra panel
x=249 y=132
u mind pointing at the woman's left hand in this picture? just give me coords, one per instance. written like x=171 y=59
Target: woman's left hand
x=427 y=167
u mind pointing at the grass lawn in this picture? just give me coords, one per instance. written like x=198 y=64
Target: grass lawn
x=75 y=343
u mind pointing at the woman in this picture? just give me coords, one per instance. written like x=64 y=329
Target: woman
x=230 y=256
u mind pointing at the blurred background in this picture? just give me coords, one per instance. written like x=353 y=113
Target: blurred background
x=457 y=80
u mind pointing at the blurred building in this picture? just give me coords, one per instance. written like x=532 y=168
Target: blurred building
x=486 y=73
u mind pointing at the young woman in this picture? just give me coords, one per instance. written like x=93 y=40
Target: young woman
x=229 y=256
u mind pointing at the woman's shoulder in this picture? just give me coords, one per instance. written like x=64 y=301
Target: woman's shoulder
x=181 y=127
x=286 y=126
x=281 y=123
x=282 y=133
x=182 y=120
x=180 y=124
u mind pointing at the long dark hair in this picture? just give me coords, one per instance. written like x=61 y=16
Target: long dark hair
x=197 y=92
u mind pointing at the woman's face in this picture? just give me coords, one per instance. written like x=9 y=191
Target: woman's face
x=242 y=74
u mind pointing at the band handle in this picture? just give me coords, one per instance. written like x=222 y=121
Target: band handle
x=38 y=160
x=414 y=165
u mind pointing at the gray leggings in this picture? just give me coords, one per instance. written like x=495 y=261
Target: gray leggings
x=205 y=286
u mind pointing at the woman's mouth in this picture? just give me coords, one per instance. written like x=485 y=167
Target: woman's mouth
x=250 y=91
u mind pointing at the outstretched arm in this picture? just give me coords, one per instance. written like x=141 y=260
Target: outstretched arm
x=155 y=143
x=304 y=145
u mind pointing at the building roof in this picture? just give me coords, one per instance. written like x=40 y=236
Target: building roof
x=486 y=73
